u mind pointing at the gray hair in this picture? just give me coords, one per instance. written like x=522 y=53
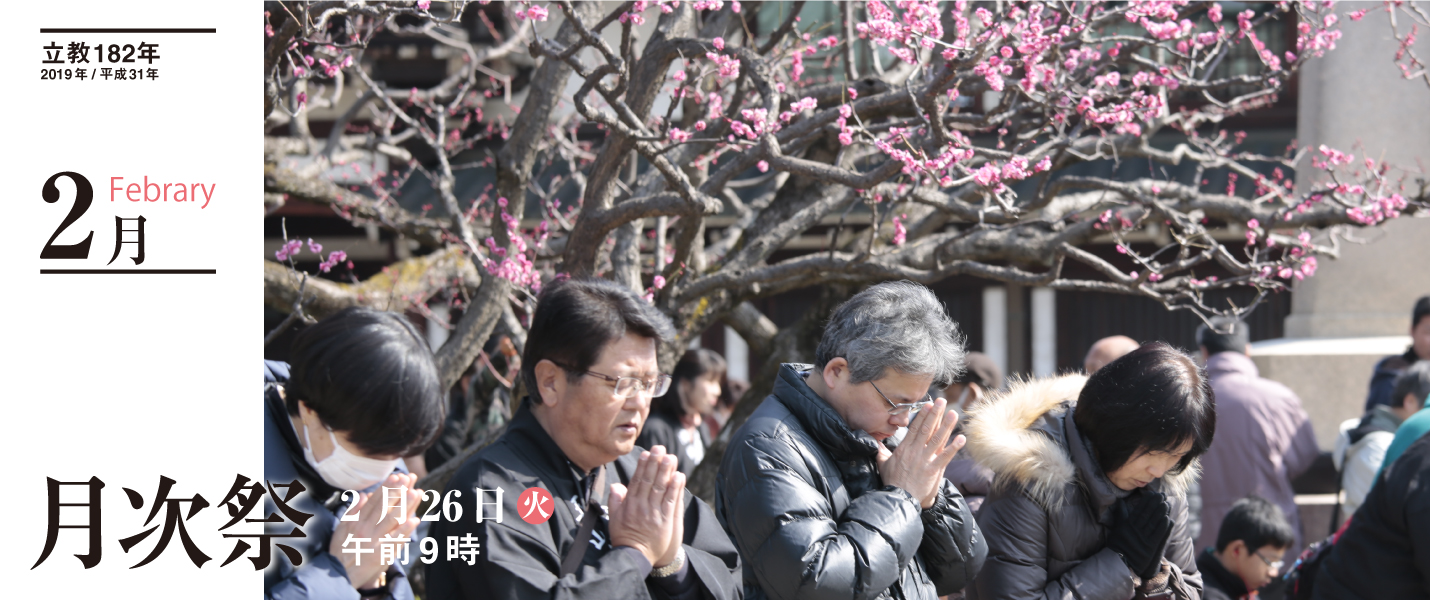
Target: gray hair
x=896 y=325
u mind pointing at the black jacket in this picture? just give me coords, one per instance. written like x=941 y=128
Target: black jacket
x=1382 y=379
x=1385 y=551
x=663 y=429
x=521 y=560
x=801 y=496
x=1217 y=582
x=320 y=576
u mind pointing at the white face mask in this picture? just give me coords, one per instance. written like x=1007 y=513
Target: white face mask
x=960 y=404
x=965 y=398
x=345 y=470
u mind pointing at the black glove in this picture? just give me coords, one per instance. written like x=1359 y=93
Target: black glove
x=1141 y=532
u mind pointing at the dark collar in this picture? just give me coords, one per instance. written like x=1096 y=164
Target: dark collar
x=543 y=452
x=820 y=419
x=1216 y=575
x=1379 y=418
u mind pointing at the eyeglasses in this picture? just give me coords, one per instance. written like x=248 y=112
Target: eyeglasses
x=629 y=386
x=1275 y=565
x=899 y=409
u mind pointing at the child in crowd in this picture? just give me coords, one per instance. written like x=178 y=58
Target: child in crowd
x=1249 y=549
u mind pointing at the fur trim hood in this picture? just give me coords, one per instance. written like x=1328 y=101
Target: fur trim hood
x=1013 y=434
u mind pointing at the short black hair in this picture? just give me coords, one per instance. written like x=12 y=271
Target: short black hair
x=576 y=318
x=1414 y=380
x=1225 y=334
x=1422 y=310
x=371 y=374
x=696 y=363
x=1257 y=523
x=1154 y=398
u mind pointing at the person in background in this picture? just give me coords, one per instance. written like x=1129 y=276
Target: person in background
x=1249 y=553
x=328 y=425
x=1362 y=444
x=1382 y=379
x=818 y=500
x=480 y=402
x=618 y=522
x=730 y=393
x=981 y=378
x=1412 y=429
x=675 y=418
x=1265 y=441
x=1385 y=550
x=1090 y=473
x=1106 y=350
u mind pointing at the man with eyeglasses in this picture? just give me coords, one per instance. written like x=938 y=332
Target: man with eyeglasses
x=815 y=493
x=619 y=523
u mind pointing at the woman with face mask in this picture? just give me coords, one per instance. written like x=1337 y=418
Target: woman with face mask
x=675 y=418
x=361 y=391
x=1089 y=498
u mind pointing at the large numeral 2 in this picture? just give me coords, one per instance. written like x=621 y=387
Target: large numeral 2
x=84 y=194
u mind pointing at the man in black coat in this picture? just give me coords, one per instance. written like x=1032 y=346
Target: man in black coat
x=618 y=522
x=327 y=428
x=1385 y=551
x=1382 y=379
x=819 y=500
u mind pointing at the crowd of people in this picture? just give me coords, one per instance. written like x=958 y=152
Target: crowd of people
x=895 y=465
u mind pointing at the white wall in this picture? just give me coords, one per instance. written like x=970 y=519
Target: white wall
x=1045 y=332
x=995 y=325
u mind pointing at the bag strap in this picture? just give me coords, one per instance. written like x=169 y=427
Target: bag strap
x=577 y=551
x=1340 y=482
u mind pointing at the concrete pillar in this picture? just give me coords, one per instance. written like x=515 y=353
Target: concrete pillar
x=1355 y=309
x=737 y=355
x=1045 y=332
x=995 y=325
x=1330 y=375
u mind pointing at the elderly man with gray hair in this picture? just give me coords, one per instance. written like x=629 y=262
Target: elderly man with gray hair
x=819 y=499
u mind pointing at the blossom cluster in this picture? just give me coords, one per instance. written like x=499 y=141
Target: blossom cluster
x=515 y=266
x=902 y=34
x=292 y=248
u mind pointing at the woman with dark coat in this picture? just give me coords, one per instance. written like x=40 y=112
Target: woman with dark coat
x=1090 y=479
x=675 y=418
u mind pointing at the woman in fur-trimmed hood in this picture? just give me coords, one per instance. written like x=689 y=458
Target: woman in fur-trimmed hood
x=1089 y=496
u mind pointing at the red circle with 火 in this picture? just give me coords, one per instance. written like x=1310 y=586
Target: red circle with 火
x=535 y=505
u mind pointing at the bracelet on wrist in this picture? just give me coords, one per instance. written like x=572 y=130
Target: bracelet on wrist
x=673 y=567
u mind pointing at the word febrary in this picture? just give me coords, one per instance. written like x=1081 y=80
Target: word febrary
x=182 y=192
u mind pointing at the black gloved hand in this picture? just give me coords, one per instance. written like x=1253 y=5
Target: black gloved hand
x=1141 y=532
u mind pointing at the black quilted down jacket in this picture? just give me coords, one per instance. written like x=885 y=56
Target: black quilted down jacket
x=800 y=494
x=1051 y=508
